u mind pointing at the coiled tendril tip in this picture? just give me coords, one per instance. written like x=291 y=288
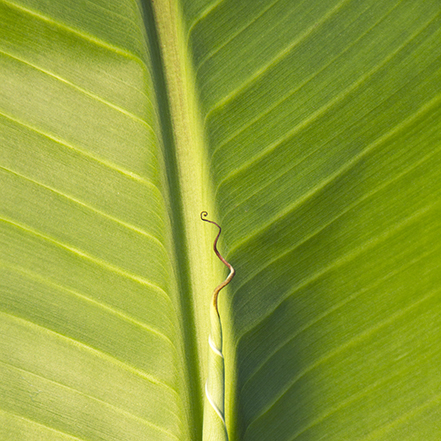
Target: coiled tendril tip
x=204 y=214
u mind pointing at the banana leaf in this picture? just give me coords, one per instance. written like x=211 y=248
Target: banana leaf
x=310 y=131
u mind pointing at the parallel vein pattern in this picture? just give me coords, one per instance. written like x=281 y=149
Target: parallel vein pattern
x=323 y=124
x=90 y=347
x=322 y=129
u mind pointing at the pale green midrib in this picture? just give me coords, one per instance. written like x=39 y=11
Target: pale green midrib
x=191 y=372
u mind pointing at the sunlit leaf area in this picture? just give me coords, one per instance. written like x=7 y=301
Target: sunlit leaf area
x=310 y=130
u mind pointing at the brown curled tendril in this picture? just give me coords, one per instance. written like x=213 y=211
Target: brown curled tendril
x=204 y=214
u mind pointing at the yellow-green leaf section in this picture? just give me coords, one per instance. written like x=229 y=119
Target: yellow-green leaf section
x=309 y=130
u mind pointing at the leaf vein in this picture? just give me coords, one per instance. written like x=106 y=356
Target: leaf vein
x=291 y=92
x=204 y=14
x=276 y=59
x=84 y=35
x=79 y=392
x=96 y=352
x=351 y=342
x=82 y=91
x=327 y=312
x=101 y=305
x=346 y=167
x=88 y=257
x=436 y=399
x=89 y=207
x=325 y=108
x=369 y=244
x=37 y=423
x=210 y=54
x=101 y=161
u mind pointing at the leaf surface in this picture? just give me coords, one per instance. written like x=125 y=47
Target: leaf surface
x=309 y=130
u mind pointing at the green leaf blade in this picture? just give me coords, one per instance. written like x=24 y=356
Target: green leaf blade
x=325 y=154
x=86 y=273
x=308 y=130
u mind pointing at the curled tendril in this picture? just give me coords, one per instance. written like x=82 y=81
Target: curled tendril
x=204 y=214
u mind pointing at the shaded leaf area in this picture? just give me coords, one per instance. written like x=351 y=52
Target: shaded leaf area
x=90 y=347
x=323 y=128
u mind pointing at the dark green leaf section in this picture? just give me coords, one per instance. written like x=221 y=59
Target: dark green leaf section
x=323 y=120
